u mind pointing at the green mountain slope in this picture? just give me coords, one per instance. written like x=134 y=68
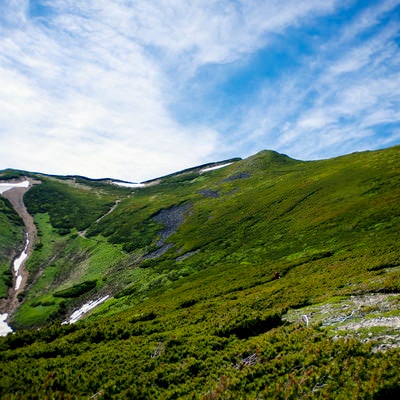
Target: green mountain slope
x=188 y=262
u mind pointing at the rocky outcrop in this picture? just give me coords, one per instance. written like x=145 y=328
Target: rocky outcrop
x=171 y=218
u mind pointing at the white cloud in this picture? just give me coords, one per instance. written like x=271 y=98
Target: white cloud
x=86 y=87
x=341 y=101
x=85 y=99
x=368 y=18
x=83 y=90
x=216 y=31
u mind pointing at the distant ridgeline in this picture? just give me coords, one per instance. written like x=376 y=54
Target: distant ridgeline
x=173 y=282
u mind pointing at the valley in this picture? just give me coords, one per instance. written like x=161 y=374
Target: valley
x=14 y=193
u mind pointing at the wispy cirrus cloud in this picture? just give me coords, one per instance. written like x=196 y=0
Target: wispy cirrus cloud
x=345 y=99
x=78 y=96
x=137 y=89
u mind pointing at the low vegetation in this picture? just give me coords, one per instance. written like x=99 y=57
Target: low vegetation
x=71 y=205
x=195 y=311
x=76 y=290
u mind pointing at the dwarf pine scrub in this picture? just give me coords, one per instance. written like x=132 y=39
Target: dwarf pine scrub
x=194 y=310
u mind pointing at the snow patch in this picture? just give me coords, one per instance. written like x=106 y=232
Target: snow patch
x=5 y=329
x=76 y=315
x=129 y=184
x=4 y=186
x=214 y=168
x=18 y=262
x=18 y=282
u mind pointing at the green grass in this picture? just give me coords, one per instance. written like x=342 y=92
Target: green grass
x=70 y=203
x=287 y=215
x=184 y=327
x=59 y=263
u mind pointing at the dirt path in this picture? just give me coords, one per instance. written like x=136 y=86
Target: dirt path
x=82 y=234
x=15 y=196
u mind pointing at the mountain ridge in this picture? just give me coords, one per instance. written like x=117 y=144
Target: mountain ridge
x=12 y=173
x=188 y=267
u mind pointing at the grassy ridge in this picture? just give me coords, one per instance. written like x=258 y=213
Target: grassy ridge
x=69 y=205
x=205 y=319
x=270 y=213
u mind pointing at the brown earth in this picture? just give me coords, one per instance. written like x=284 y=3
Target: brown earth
x=16 y=198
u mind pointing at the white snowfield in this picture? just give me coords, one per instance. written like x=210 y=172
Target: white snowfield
x=5 y=329
x=76 y=315
x=129 y=185
x=214 y=168
x=4 y=186
x=18 y=262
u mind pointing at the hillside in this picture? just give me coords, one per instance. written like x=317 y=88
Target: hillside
x=185 y=266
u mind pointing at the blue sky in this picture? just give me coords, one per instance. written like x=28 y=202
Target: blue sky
x=138 y=89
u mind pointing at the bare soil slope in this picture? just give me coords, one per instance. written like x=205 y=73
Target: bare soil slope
x=16 y=198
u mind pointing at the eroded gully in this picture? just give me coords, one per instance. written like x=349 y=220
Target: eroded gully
x=14 y=192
